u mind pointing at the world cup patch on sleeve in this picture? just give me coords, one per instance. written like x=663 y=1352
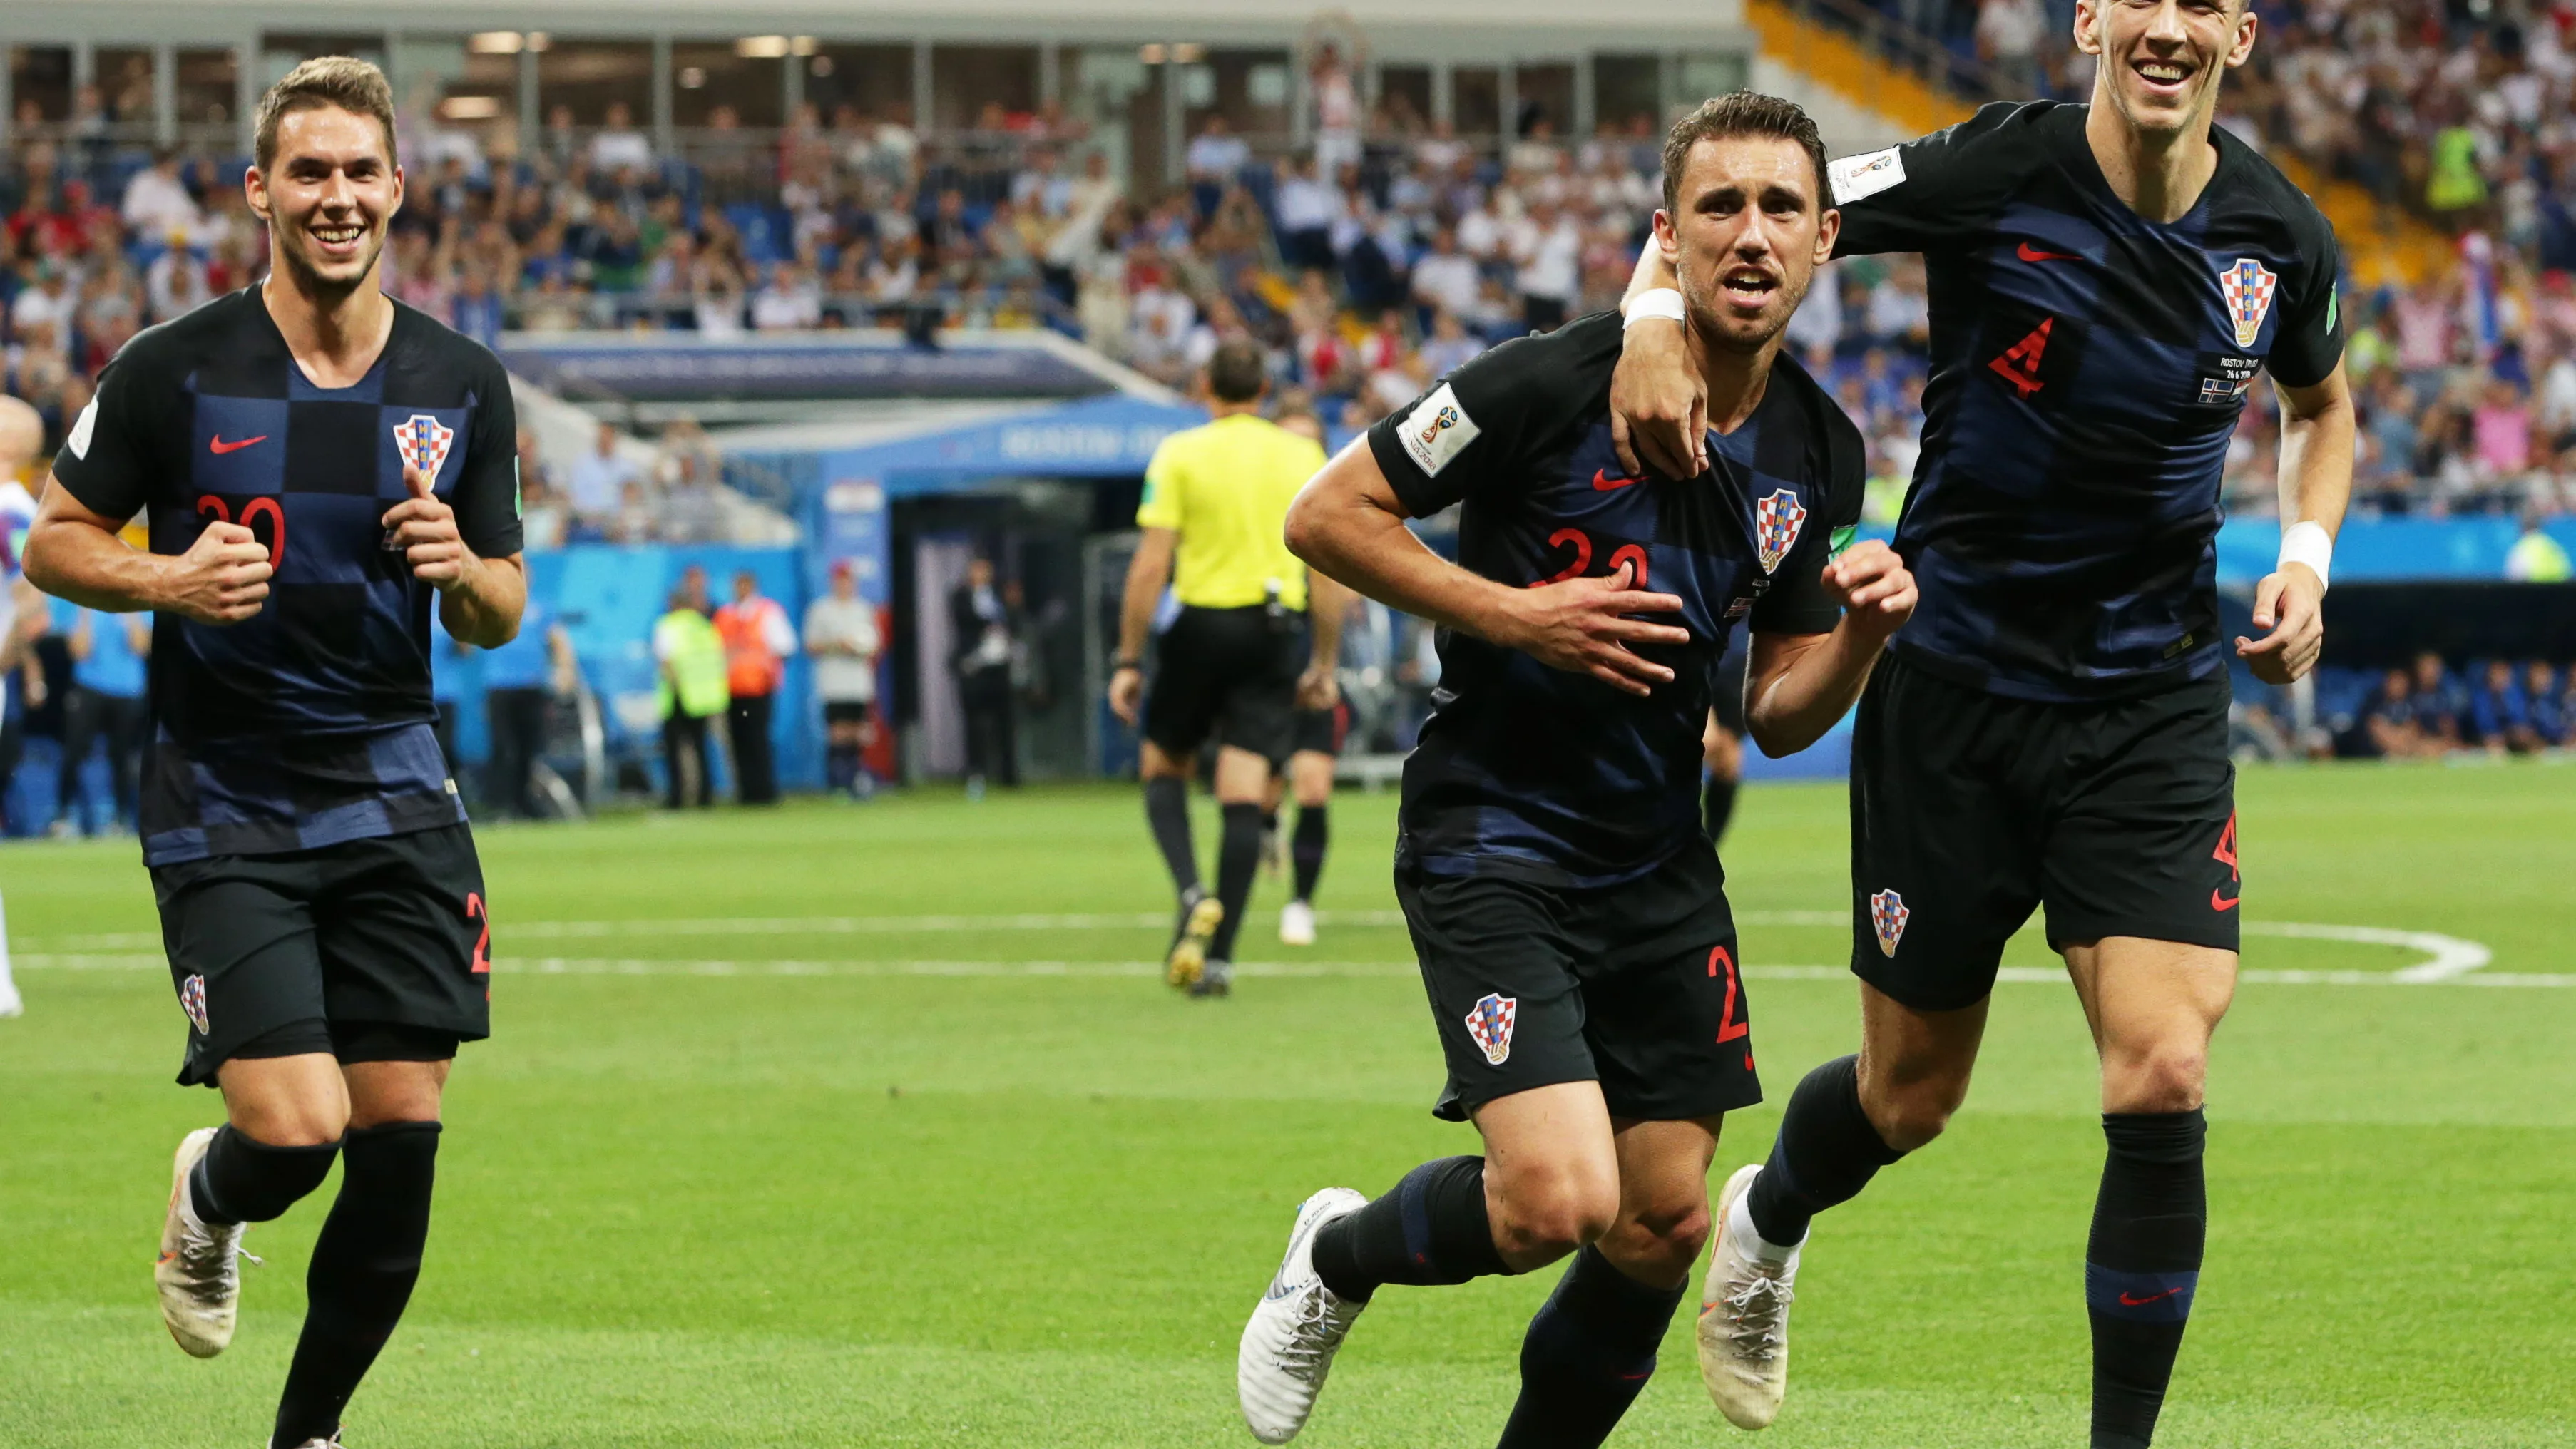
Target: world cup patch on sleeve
x=1437 y=430
x=1887 y=912
x=423 y=442
x=1491 y=1025
x=192 y=1000
x=1868 y=174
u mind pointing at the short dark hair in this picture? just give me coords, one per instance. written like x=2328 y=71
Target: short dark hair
x=343 y=81
x=1742 y=113
x=1238 y=372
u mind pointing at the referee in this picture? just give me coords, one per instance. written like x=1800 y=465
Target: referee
x=1229 y=667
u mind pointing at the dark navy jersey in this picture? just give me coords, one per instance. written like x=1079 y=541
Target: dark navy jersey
x=310 y=723
x=1558 y=778
x=2088 y=367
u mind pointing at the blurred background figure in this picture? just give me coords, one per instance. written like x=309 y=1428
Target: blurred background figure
x=986 y=625
x=841 y=636
x=105 y=709
x=690 y=657
x=521 y=681
x=758 y=641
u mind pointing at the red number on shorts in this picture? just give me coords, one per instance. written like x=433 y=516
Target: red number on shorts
x=1582 y=543
x=1630 y=553
x=474 y=911
x=2225 y=854
x=1728 y=1028
x=211 y=506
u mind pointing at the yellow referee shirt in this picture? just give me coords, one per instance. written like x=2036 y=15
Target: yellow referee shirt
x=1225 y=488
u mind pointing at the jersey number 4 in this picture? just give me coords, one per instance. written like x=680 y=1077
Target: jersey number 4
x=2019 y=364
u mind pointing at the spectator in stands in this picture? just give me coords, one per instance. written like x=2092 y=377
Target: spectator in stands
x=789 y=301
x=2436 y=705
x=618 y=144
x=1336 y=98
x=2553 y=715
x=157 y=203
x=2387 y=728
x=1445 y=279
x=689 y=658
x=1216 y=156
x=1550 y=261
x=105 y=705
x=983 y=640
x=176 y=282
x=2008 y=34
x=2500 y=713
x=842 y=637
x=758 y=642
x=520 y=680
x=600 y=477
x=478 y=311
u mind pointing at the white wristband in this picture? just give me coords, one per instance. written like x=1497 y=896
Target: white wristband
x=2308 y=542
x=1664 y=302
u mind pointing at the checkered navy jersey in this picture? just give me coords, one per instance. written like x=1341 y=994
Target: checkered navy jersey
x=2088 y=367
x=311 y=723
x=1529 y=772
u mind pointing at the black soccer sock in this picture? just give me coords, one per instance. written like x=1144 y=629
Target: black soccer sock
x=1826 y=1152
x=364 y=1266
x=244 y=1180
x=1717 y=804
x=1238 y=857
x=1430 y=1228
x=841 y=766
x=1167 y=814
x=1589 y=1353
x=2142 y=1266
x=1306 y=848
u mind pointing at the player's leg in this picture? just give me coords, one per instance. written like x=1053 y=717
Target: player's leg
x=2142 y=889
x=1592 y=1347
x=1257 y=721
x=367 y=1257
x=83 y=724
x=1180 y=710
x=1242 y=777
x=1310 y=776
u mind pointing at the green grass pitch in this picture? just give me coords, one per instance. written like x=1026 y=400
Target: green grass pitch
x=844 y=1126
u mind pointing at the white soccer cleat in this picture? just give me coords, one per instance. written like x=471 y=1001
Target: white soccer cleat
x=1299 y=1325
x=1744 y=1320
x=1296 y=924
x=10 y=1003
x=1188 y=958
x=331 y=1443
x=198 y=1273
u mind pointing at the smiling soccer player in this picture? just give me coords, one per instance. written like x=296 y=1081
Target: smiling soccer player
x=320 y=466
x=2051 y=727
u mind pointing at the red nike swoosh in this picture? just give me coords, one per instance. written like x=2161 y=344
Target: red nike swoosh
x=2128 y=1302
x=2218 y=902
x=219 y=447
x=1602 y=482
x=2031 y=253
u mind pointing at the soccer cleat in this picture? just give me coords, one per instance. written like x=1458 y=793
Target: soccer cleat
x=10 y=1004
x=1299 y=1325
x=1296 y=924
x=1744 y=1321
x=1216 y=980
x=1188 y=959
x=199 y=1279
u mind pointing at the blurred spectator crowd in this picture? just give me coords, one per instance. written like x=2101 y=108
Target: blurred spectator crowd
x=2494 y=706
x=1368 y=261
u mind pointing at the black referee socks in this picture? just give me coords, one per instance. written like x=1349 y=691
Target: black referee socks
x=1431 y=1228
x=2143 y=1266
x=244 y=1180
x=364 y=1266
x=1826 y=1152
x=1167 y=814
x=1238 y=856
x=1306 y=849
x=1589 y=1353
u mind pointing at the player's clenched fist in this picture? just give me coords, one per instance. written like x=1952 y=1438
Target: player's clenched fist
x=1874 y=587
x=423 y=530
x=1581 y=626
x=223 y=577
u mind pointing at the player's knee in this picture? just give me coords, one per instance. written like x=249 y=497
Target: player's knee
x=1661 y=1242
x=2165 y=1077
x=1912 y=1113
x=292 y=1122
x=1543 y=1222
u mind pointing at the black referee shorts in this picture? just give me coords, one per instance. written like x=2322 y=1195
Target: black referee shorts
x=1230 y=674
x=367 y=949
x=1969 y=810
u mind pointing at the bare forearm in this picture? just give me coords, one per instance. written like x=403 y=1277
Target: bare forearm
x=485 y=606
x=1652 y=272
x=93 y=568
x=1145 y=580
x=1793 y=706
x=1370 y=551
x=2316 y=467
x=1327 y=605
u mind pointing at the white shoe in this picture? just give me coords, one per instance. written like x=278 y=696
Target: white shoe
x=1188 y=958
x=198 y=1275
x=10 y=1002
x=1289 y=1345
x=1744 y=1320
x=331 y=1443
x=1296 y=924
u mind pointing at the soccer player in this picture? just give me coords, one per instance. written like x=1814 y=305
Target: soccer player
x=1569 y=915
x=1315 y=742
x=321 y=467
x=22 y=437
x=2051 y=728
x=1239 y=657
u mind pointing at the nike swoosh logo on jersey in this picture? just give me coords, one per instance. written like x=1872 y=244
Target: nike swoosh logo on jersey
x=2131 y=1301
x=1602 y=482
x=219 y=447
x=2218 y=902
x=2031 y=253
